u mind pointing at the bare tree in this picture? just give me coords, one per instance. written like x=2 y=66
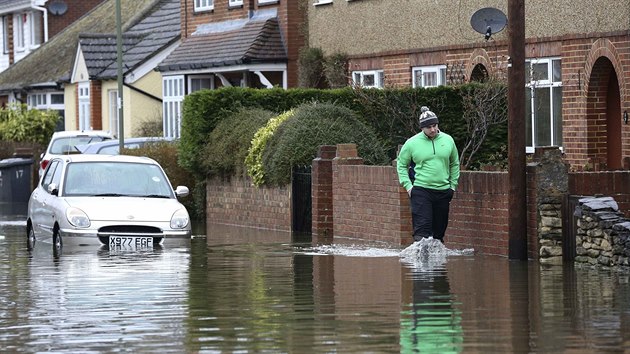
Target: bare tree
x=484 y=105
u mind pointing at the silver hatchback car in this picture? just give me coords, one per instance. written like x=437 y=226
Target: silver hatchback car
x=118 y=201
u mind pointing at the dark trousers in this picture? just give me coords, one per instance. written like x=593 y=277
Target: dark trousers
x=429 y=212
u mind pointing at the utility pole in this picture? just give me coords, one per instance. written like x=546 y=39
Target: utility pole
x=517 y=196
x=119 y=59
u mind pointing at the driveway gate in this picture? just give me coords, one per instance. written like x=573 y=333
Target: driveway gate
x=301 y=201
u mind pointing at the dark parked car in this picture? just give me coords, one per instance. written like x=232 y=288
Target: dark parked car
x=111 y=147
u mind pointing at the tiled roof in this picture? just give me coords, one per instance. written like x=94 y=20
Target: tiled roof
x=257 y=41
x=100 y=50
x=52 y=62
x=157 y=30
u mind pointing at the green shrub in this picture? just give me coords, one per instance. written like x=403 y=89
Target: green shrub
x=20 y=124
x=296 y=141
x=229 y=143
x=336 y=70
x=254 y=159
x=310 y=67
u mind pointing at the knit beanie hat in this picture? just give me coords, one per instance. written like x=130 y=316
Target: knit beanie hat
x=427 y=117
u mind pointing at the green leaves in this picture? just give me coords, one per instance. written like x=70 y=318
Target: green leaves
x=20 y=124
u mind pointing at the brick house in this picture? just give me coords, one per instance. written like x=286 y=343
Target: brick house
x=578 y=81
x=243 y=43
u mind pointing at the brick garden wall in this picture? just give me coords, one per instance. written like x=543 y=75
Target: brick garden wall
x=369 y=204
x=239 y=202
x=479 y=213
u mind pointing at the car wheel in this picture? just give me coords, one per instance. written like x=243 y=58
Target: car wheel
x=57 y=243
x=30 y=239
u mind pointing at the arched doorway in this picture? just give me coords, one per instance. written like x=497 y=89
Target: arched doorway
x=604 y=115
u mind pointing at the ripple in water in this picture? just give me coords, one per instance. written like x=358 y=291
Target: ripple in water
x=427 y=253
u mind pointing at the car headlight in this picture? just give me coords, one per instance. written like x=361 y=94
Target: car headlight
x=77 y=217
x=180 y=219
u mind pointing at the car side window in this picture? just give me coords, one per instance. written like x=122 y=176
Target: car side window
x=49 y=174
x=56 y=178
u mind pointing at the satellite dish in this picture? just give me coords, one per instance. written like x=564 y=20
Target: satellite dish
x=58 y=7
x=488 y=21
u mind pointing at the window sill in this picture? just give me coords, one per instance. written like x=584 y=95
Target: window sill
x=323 y=2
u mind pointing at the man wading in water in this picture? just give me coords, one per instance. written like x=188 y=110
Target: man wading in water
x=436 y=176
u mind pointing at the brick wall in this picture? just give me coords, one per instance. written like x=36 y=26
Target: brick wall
x=368 y=201
x=96 y=103
x=76 y=9
x=479 y=213
x=614 y=184
x=369 y=204
x=239 y=202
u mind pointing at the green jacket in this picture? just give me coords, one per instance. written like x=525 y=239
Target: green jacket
x=437 y=162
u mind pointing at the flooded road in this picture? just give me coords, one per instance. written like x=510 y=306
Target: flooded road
x=248 y=291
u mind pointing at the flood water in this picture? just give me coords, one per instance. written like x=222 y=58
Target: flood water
x=235 y=290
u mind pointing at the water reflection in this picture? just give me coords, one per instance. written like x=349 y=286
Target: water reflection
x=239 y=290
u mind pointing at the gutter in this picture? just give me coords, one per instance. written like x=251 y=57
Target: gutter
x=45 y=13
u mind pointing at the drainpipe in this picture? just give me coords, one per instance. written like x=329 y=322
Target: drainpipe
x=45 y=13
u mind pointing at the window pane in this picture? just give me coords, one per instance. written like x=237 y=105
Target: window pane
x=557 y=70
x=56 y=98
x=381 y=79
x=557 y=116
x=442 y=80
x=541 y=72
x=357 y=78
x=430 y=79
x=528 y=117
x=418 y=78
x=368 y=80
x=542 y=116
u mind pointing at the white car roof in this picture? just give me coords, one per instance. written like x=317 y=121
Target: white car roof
x=70 y=133
x=107 y=158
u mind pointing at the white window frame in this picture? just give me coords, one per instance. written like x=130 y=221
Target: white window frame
x=19 y=35
x=204 y=5
x=84 y=105
x=262 y=2
x=191 y=78
x=114 y=114
x=233 y=3
x=322 y=2
x=5 y=34
x=34 y=25
x=359 y=78
x=173 y=92
x=532 y=83
x=420 y=76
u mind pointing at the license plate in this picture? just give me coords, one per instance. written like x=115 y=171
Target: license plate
x=131 y=242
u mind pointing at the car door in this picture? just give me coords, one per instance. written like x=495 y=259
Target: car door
x=42 y=200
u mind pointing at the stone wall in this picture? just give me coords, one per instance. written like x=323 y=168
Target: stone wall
x=603 y=234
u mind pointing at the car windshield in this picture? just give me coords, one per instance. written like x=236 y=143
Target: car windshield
x=116 y=179
x=68 y=145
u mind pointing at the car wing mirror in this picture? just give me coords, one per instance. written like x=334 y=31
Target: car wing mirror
x=53 y=189
x=181 y=191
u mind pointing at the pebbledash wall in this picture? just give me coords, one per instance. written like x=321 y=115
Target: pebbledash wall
x=352 y=200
